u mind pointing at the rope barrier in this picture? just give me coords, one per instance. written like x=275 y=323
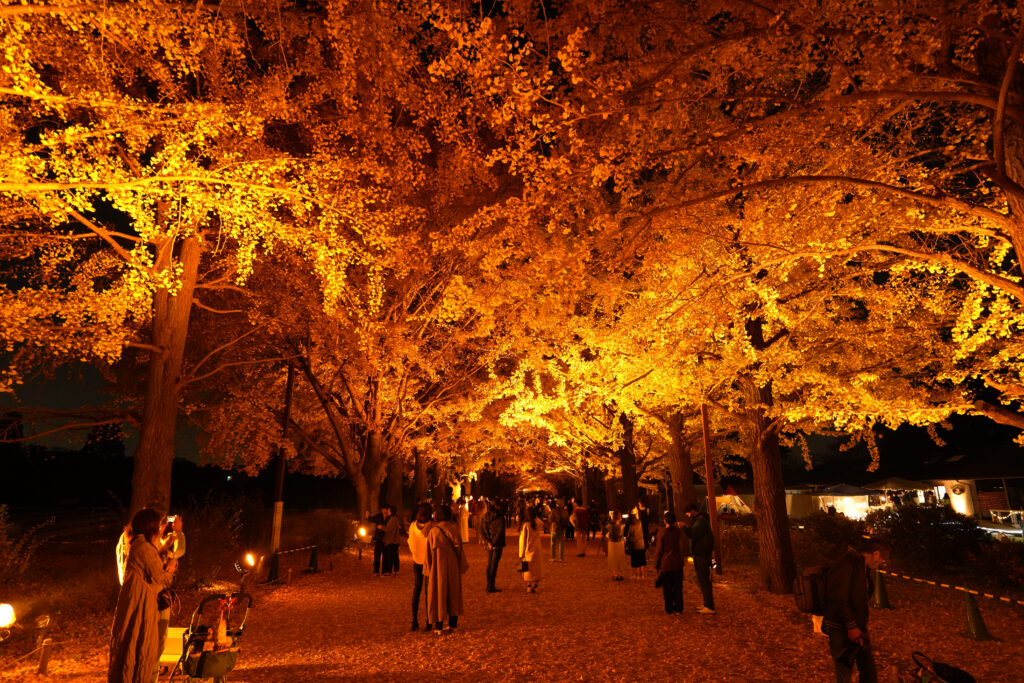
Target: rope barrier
x=964 y=589
x=297 y=550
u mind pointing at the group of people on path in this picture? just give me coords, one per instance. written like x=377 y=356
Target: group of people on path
x=437 y=541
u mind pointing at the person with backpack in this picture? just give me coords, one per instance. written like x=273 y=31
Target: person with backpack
x=702 y=545
x=848 y=588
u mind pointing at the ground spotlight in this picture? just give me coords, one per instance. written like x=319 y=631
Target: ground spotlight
x=7 y=616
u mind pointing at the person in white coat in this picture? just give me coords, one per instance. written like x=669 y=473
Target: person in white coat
x=530 y=548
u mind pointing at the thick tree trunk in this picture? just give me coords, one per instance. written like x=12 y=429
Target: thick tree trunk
x=775 y=549
x=363 y=497
x=421 y=481
x=627 y=463
x=151 y=471
x=611 y=496
x=396 y=470
x=440 y=483
x=680 y=466
x=369 y=477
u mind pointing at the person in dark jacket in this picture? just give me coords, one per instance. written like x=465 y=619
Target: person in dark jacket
x=669 y=558
x=846 y=611
x=392 y=537
x=377 y=521
x=493 y=531
x=702 y=545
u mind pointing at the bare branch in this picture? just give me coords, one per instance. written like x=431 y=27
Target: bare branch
x=211 y=309
x=224 y=346
x=62 y=428
x=998 y=121
x=225 y=366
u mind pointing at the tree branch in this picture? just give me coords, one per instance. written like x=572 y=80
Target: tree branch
x=223 y=346
x=102 y=234
x=1000 y=414
x=211 y=309
x=225 y=366
x=998 y=121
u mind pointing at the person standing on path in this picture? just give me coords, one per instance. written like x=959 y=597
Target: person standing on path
x=846 y=611
x=557 y=521
x=134 y=635
x=529 y=548
x=669 y=559
x=418 y=531
x=616 y=546
x=377 y=521
x=570 y=531
x=637 y=545
x=492 y=529
x=392 y=537
x=463 y=519
x=445 y=564
x=643 y=513
x=702 y=545
x=581 y=521
x=173 y=549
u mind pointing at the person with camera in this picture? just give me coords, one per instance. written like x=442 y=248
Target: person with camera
x=134 y=637
x=173 y=548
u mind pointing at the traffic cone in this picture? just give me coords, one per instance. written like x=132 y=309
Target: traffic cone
x=975 y=625
x=314 y=561
x=880 y=597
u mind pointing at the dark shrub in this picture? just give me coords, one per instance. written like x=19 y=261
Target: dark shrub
x=822 y=537
x=738 y=543
x=219 y=530
x=1003 y=560
x=926 y=537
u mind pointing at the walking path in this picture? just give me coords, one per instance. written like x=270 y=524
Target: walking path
x=344 y=625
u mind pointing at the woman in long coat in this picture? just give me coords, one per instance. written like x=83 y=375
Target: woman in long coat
x=445 y=564
x=135 y=634
x=530 y=549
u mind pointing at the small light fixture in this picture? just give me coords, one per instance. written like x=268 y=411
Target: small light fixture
x=362 y=531
x=250 y=559
x=7 y=617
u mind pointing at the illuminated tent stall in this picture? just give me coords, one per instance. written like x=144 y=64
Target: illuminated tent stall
x=852 y=501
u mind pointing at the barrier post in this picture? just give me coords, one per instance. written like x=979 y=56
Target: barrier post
x=975 y=624
x=314 y=561
x=275 y=568
x=44 y=656
x=880 y=597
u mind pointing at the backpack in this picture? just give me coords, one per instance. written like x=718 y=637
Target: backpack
x=810 y=590
x=937 y=672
